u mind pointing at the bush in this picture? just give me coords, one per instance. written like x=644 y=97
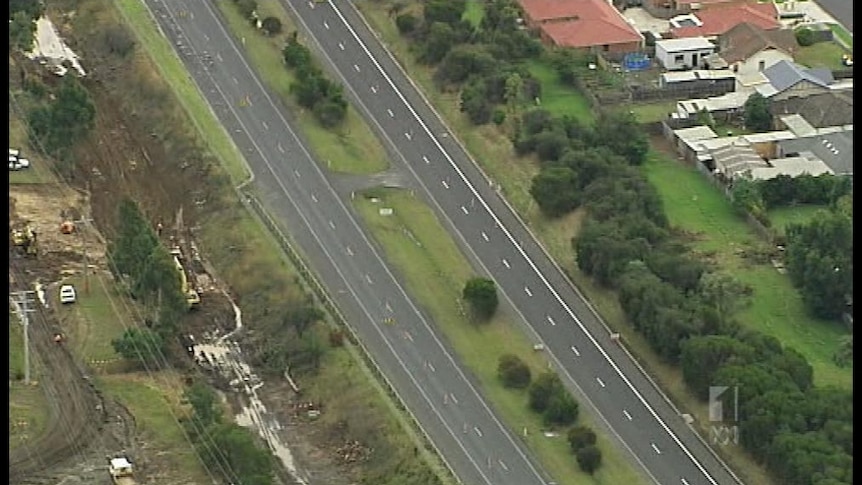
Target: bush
x=589 y=459
x=580 y=437
x=499 y=117
x=271 y=26
x=336 y=338
x=481 y=293
x=805 y=37
x=513 y=372
x=562 y=408
x=406 y=23
x=542 y=389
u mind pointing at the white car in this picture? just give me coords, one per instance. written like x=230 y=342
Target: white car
x=67 y=294
x=14 y=152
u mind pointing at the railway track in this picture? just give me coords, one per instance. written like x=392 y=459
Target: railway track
x=77 y=409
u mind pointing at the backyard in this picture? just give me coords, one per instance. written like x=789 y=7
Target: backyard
x=822 y=54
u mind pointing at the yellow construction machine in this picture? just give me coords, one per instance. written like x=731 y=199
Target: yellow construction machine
x=24 y=239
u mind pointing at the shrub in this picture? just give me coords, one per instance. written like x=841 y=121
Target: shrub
x=513 y=372
x=589 y=459
x=580 y=437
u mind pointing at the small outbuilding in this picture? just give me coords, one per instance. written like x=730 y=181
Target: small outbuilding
x=681 y=54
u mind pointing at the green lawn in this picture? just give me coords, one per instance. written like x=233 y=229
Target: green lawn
x=137 y=17
x=352 y=147
x=474 y=13
x=783 y=216
x=822 y=54
x=155 y=404
x=696 y=206
x=435 y=270
x=842 y=34
x=652 y=112
x=101 y=314
x=557 y=98
x=38 y=172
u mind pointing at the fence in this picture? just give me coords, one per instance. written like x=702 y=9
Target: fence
x=256 y=208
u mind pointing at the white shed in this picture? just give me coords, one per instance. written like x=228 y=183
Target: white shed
x=687 y=53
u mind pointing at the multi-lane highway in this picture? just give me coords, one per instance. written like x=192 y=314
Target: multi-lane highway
x=475 y=445
x=642 y=420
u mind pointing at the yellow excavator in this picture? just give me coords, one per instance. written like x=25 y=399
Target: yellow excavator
x=192 y=296
x=24 y=240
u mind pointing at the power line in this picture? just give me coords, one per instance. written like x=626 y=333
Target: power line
x=22 y=300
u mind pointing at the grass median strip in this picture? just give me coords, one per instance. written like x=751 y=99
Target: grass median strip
x=350 y=148
x=435 y=270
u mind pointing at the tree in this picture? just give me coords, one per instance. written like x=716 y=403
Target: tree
x=32 y=8
x=296 y=55
x=246 y=8
x=474 y=102
x=621 y=132
x=331 y=111
x=69 y=118
x=724 y=294
x=481 y=294
x=702 y=356
x=406 y=23
x=555 y=190
x=22 y=28
x=514 y=91
x=237 y=452
x=204 y=404
x=463 y=61
x=843 y=356
x=542 y=389
x=580 y=437
x=140 y=345
x=444 y=11
x=303 y=317
x=562 y=408
x=438 y=42
x=589 y=459
x=513 y=372
x=757 y=115
x=271 y=26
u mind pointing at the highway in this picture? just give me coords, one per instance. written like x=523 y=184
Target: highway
x=597 y=369
x=297 y=193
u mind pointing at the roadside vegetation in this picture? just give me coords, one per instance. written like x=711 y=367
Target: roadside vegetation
x=493 y=347
x=627 y=243
x=151 y=386
x=28 y=405
x=344 y=142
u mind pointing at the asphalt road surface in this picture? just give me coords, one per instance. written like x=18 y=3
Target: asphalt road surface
x=642 y=420
x=297 y=193
x=842 y=10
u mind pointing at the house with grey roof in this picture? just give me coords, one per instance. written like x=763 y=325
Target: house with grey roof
x=833 y=147
x=787 y=80
x=834 y=108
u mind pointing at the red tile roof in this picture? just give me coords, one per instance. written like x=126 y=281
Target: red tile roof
x=581 y=23
x=718 y=20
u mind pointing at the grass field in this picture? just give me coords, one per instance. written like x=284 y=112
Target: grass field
x=783 y=216
x=652 y=112
x=822 y=54
x=28 y=407
x=557 y=98
x=155 y=403
x=18 y=138
x=435 y=271
x=474 y=12
x=693 y=204
x=100 y=314
x=842 y=34
x=137 y=17
x=352 y=147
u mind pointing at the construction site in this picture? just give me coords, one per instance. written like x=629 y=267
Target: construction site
x=101 y=426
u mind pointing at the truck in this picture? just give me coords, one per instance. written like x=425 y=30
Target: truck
x=121 y=470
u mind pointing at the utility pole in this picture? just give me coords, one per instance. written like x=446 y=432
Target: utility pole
x=23 y=306
x=79 y=224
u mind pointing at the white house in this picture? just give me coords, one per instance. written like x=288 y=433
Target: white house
x=688 y=53
x=747 y=49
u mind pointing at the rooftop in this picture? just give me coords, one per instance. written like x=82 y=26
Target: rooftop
x=805 y=163
x=685 y=44
x=725 y=102
x=784 y=74
x=699 y=74
x=719 y=19
x=587 y=23
x=835 y=149
x=745 y=39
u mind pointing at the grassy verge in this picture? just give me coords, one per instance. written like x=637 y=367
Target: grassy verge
x=155 y=403
x=474 y=12
x=137 y=17
x=350 y=148
x=693 y=203
x=18 y=138
x=842 y=34
x=28 y=406
x=248 y=250
x=435 y=270
x=822 y=54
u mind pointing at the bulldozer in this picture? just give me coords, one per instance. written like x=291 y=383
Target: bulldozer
x=24 y=240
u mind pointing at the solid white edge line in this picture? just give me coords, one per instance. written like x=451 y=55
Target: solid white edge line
x=520 y=249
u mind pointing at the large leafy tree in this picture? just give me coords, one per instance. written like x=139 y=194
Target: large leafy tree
x=757 y=115
x=481 y=294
